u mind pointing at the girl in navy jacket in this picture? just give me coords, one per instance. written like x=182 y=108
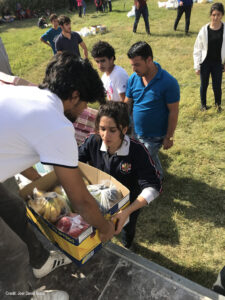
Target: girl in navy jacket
x=126 y=159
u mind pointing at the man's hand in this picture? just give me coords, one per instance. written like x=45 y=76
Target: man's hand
x=197 y=72
x=120 y=218
x=108 y=233
x=167 y=143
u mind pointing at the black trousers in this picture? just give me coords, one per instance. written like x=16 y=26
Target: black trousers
x=110 y=5
x=128 y=232
x=180 y=10
x=80 y=8
x=215 y=69
x=144 y=12
x=13 y=213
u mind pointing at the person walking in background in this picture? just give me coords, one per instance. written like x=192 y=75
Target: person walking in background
x=115 y=77
x=209 y=55
x=69 y=40
x=110 y=5
x=184 y=6
x=141 y=8
x=50 y=36
x=84 y=7
x=98 y=4
x=105 y=5
x=80 y=7
x=154 y=95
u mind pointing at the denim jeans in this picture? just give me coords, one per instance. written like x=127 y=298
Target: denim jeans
x=215 y=69
x=144 y=12
x=153 y=144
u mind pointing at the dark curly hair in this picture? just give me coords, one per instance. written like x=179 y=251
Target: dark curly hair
x=67 y=72
x=118 y=111
x=142 y=49
x=217 y=6
x=103 y=49
x=53 y=17
x=64 y=20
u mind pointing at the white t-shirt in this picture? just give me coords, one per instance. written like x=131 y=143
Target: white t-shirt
x=115 y=83
x=33 y=128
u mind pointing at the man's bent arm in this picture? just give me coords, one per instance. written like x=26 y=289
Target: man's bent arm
x=122 y=97
x=83 y=45
x=83 y=202
x=129 y=102
x=45 y=42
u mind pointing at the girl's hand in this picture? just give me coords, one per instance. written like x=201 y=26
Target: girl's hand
x=119 y=219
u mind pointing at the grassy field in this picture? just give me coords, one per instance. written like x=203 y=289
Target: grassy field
x=183 y=230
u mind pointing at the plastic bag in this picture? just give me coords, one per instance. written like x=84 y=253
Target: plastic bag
x=162 y=4
x=131 y=13
x=73 y=225
x=106 y=194
x=172 y=4
x=50 y=205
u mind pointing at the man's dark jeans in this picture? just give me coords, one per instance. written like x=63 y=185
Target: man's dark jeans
x=180 y=10
x=215 y=69
x=13 y=213
x=144 y=12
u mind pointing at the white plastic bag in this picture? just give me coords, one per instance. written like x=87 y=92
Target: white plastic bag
x=162 y=4
x=172 y=4
x=131 y=13
x=105 y=193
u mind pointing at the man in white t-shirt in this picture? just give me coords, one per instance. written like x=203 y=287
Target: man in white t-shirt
x=36 y=125
x=114 y=78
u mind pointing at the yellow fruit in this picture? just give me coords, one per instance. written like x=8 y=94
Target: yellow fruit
x=47 y=211
x=53 y=214
x=58 y=190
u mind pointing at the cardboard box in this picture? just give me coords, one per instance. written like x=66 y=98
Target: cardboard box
x=88 y=242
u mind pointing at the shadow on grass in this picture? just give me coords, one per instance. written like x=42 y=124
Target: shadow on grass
x=193 y=274
x=193 y=199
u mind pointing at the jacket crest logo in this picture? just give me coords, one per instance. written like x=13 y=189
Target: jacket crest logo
x=125 y=167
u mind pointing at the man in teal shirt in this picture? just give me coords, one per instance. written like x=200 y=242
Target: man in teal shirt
x=50 y=36
x=155 y=96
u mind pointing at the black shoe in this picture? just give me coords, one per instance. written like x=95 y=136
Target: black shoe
x=126 y=239
x=204 y=108
x=219 y=109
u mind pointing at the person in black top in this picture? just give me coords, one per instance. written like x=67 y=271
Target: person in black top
x=209 y=55
x=126 y=159
x=69 y=40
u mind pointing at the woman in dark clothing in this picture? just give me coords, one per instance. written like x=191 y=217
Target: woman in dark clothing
x=209 y=55
x=184 y=6
x=127 y=160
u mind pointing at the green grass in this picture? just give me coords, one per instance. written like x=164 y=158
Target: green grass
x=183 y=230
